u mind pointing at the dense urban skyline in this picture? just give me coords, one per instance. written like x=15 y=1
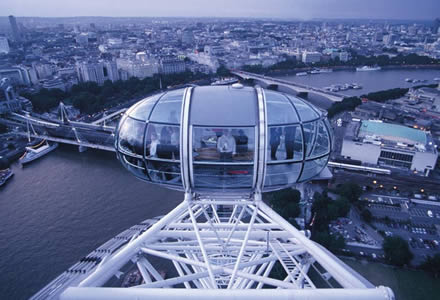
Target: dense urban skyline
x=298 y=9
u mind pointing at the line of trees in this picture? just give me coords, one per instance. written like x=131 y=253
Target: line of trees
x=350 y=103
x=89 y=97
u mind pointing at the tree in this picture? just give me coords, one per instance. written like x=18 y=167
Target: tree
x=286 y=203
x=352 y=191
x=396 y=251
x=366 y=215
x=432 y=265
x=223 y=71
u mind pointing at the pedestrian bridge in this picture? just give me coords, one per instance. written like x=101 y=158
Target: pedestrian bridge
x=62 y=130
x=289 y=86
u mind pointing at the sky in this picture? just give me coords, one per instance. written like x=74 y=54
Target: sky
x=295 y=9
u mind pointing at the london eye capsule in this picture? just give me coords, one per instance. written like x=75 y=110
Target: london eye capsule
x=224 y=138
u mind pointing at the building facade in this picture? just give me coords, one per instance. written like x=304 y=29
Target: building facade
x=391 y=145
x=4 y=45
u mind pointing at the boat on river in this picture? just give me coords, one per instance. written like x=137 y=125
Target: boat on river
x=5 y=175
x=367 y=68
x=33 y=153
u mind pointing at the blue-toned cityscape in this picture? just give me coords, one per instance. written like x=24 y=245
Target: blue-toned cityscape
x=282 y=157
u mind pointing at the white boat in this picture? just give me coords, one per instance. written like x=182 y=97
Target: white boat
x=356 y=86
x=367 y=68
x=225 y=81
x=301 y=74
x=315 y=72
x=408 y=80
x=5 y=175
x=35 y=153
x=325 y=70
x=437 y=79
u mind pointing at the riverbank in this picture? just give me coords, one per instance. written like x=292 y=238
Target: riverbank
x=406 y=284
x=350 y=68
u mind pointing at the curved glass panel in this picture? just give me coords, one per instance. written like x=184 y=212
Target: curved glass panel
x=330 y=129
x=143 y=110
x=280 y=175
x=164 y=172
x=285 y=143
x=305 y=111
x=322 y=141
x=309 y=137
x=279 y=109
x=131 y=136
x=162 y=141
x=223 y=106
x=169 y=107
x=223 y=176
x=223 y=144
x=313 y=168
x=136 y=166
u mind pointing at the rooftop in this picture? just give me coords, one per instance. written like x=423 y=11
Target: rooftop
x=393 y=132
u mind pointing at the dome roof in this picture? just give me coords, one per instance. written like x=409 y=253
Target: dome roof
x=224 y=138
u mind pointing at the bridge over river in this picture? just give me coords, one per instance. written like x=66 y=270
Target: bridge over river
x=289 y=86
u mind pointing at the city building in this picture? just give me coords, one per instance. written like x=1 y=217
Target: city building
x=137 y=68
x=384 y=144
x=82 y=39
x=187 y=37
x=311 y=57
x=344 y=56
x=172 y=66
x=390 y=39
x=55 y=83
x=14 y=28
x=110 y=70
x=90 y=72
x=4 y=45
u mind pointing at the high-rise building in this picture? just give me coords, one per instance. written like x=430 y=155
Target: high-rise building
x=436 y=26
x=187 y=38
x=91 y=72
x=15 y=32
x=4 y=45
x=111 y=71
x=311 y=57
x=137 y=68
x=172 y=66
x=389 y=39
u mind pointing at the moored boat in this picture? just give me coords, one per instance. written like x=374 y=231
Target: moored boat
x=32 y=154
x=5 y=175
x=225 y=81
x=367 y=68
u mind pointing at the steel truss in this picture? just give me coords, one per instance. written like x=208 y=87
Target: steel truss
x=233 y=245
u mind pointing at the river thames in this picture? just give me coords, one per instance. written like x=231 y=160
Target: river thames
x=58 y=209
x=371 y=81
x=61 y=207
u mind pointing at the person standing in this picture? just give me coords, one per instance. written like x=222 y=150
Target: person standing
x=289 y=135
x=275 y=139
x=226 y=146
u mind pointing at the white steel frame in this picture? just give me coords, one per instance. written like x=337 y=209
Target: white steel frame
x=230 y=245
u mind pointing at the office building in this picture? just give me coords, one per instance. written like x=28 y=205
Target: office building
x=90 y=72
x=172 y=66
x=391 y=145
x=14 y=28
x=311 y=57
x=4 y=45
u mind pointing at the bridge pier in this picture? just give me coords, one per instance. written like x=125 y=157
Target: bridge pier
x=82 y=149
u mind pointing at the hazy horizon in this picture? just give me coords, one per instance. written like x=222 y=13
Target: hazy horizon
x=283 y=9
